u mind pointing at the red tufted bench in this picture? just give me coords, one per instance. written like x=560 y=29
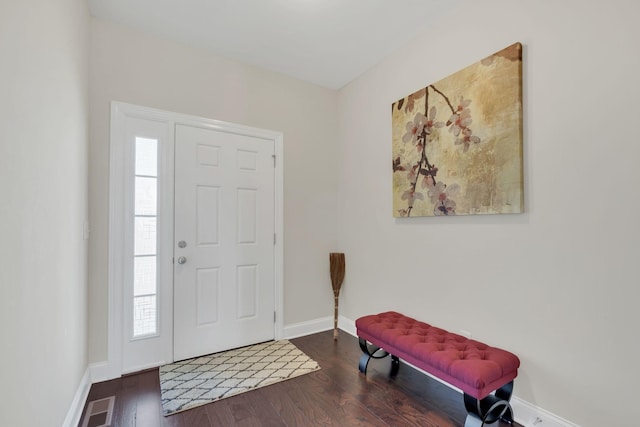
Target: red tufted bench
x=485 y=374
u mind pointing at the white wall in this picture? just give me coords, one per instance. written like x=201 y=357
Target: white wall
x=556 y=285
x=133 y=67
x=43 y=187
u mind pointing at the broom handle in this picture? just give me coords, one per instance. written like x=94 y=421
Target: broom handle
x=335 y=318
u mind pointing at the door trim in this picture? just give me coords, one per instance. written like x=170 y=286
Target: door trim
x=119 y=112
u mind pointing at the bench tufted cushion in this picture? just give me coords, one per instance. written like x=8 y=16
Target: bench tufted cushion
x=470 y=365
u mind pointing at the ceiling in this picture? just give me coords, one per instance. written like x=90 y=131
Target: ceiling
x=325 y=42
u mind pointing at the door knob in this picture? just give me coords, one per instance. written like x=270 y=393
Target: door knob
x=182 y=244
x=182 y=260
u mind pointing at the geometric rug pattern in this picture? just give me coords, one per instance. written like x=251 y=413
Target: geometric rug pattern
x=194 y=382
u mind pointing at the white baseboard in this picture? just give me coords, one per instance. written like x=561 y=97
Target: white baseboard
x=101 y=371
x=318 y=325
x=530 y=415
x=79 y=399
x=347 y=325
x=307 y=328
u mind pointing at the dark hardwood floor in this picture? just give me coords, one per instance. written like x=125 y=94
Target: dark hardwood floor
x=336 y=395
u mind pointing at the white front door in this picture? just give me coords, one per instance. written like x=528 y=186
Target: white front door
x=224 y=294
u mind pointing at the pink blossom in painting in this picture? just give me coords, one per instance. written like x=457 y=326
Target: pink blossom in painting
x=420 y=131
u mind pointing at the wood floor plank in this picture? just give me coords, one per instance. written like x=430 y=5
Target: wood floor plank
x=336 y=395
x=196 y=417
x=289 y=410
x=125 y=409
x=262 y=410
x=243 y=410
x=326 y=397
x=229 y=412
x=149 y=405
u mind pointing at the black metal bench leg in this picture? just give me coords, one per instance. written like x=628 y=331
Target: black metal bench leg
x=505 y=393
x=371 y=351
x=492 y=408
x=501 y=406
x=395 y=365
x=364 y=361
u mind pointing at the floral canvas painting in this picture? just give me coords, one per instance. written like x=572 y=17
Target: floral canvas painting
x=457 y=143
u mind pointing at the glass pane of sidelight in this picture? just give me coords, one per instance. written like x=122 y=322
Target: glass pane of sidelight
x=144 y=276
x=146 y=196
x=145 y=281
x=144 y=315
x=146 y=156
x=145 y=235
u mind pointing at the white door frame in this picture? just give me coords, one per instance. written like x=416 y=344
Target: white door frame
x=118 y=215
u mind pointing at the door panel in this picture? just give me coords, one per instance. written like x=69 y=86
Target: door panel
x=224 y=212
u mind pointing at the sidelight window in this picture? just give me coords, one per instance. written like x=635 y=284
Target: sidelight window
x=145 y=253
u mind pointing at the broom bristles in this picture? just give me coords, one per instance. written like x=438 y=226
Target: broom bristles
x=337 y=269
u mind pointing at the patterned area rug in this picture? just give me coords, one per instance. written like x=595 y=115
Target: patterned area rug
x=194 y=382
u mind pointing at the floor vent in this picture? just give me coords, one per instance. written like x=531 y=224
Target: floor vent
x=99 y=412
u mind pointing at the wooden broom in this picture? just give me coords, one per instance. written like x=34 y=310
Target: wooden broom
x=336 y=267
